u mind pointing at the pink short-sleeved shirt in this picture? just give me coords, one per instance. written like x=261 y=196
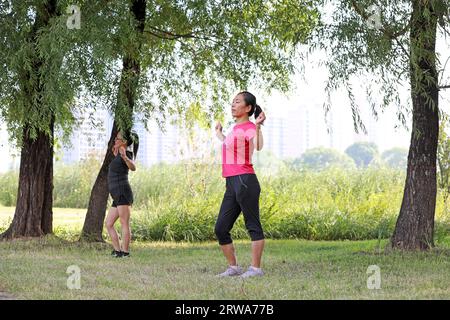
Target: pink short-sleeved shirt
x=237 y=150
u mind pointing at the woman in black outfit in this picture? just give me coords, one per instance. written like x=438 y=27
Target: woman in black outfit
x=120 y=190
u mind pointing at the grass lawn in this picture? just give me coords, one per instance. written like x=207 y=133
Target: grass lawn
x=62 y=217
x=295 y=269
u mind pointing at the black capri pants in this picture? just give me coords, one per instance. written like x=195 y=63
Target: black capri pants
x=242 y=194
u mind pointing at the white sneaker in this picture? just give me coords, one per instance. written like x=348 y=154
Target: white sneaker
x=252 y=272
x=231 y=272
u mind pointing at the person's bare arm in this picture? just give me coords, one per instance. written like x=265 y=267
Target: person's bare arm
x=259 y=140
x=219 y=133
x=130 y=163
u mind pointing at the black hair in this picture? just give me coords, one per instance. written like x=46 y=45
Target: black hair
x=132 y=138
x=250 y=99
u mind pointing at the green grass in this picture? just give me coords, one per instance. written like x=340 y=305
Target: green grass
x=62 y=217
x=332 y=204
x=295 y=269
x=36 y=269
x=67 y=222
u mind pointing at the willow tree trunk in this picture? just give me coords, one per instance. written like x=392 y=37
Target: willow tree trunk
x=33 y=214
x=95 y=216
x=415 y=224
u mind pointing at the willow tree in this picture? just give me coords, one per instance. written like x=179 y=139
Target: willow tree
x=44 y=61
x=129 y=40
x=392 y=44
x=185 y=52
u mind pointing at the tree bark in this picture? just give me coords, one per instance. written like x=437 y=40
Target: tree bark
x=95 y=216
x=415 y=224
x=33 y=215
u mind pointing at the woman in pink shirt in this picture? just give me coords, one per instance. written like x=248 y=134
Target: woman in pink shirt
x=242 y=186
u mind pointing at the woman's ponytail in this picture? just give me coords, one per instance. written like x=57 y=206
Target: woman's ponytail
x=132 y=142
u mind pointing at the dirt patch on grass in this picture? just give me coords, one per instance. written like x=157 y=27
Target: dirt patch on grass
x=6 y=296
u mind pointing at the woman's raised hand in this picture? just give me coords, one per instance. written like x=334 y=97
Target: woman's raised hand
x=218 y=127
x=122 y=152
x=261 y=118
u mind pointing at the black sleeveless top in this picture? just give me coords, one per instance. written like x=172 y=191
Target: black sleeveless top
x=118 y=172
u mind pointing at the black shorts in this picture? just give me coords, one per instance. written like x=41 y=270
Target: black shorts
x=122 y=195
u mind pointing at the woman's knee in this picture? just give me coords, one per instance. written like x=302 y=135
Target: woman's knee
x=254 y=228
x=125 y=222
x=222 y=234
x=219 y=229
x=109 y=224
x=255 y=231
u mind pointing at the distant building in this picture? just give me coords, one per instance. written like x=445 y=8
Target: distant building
x=157 y=145
x=90 y=139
